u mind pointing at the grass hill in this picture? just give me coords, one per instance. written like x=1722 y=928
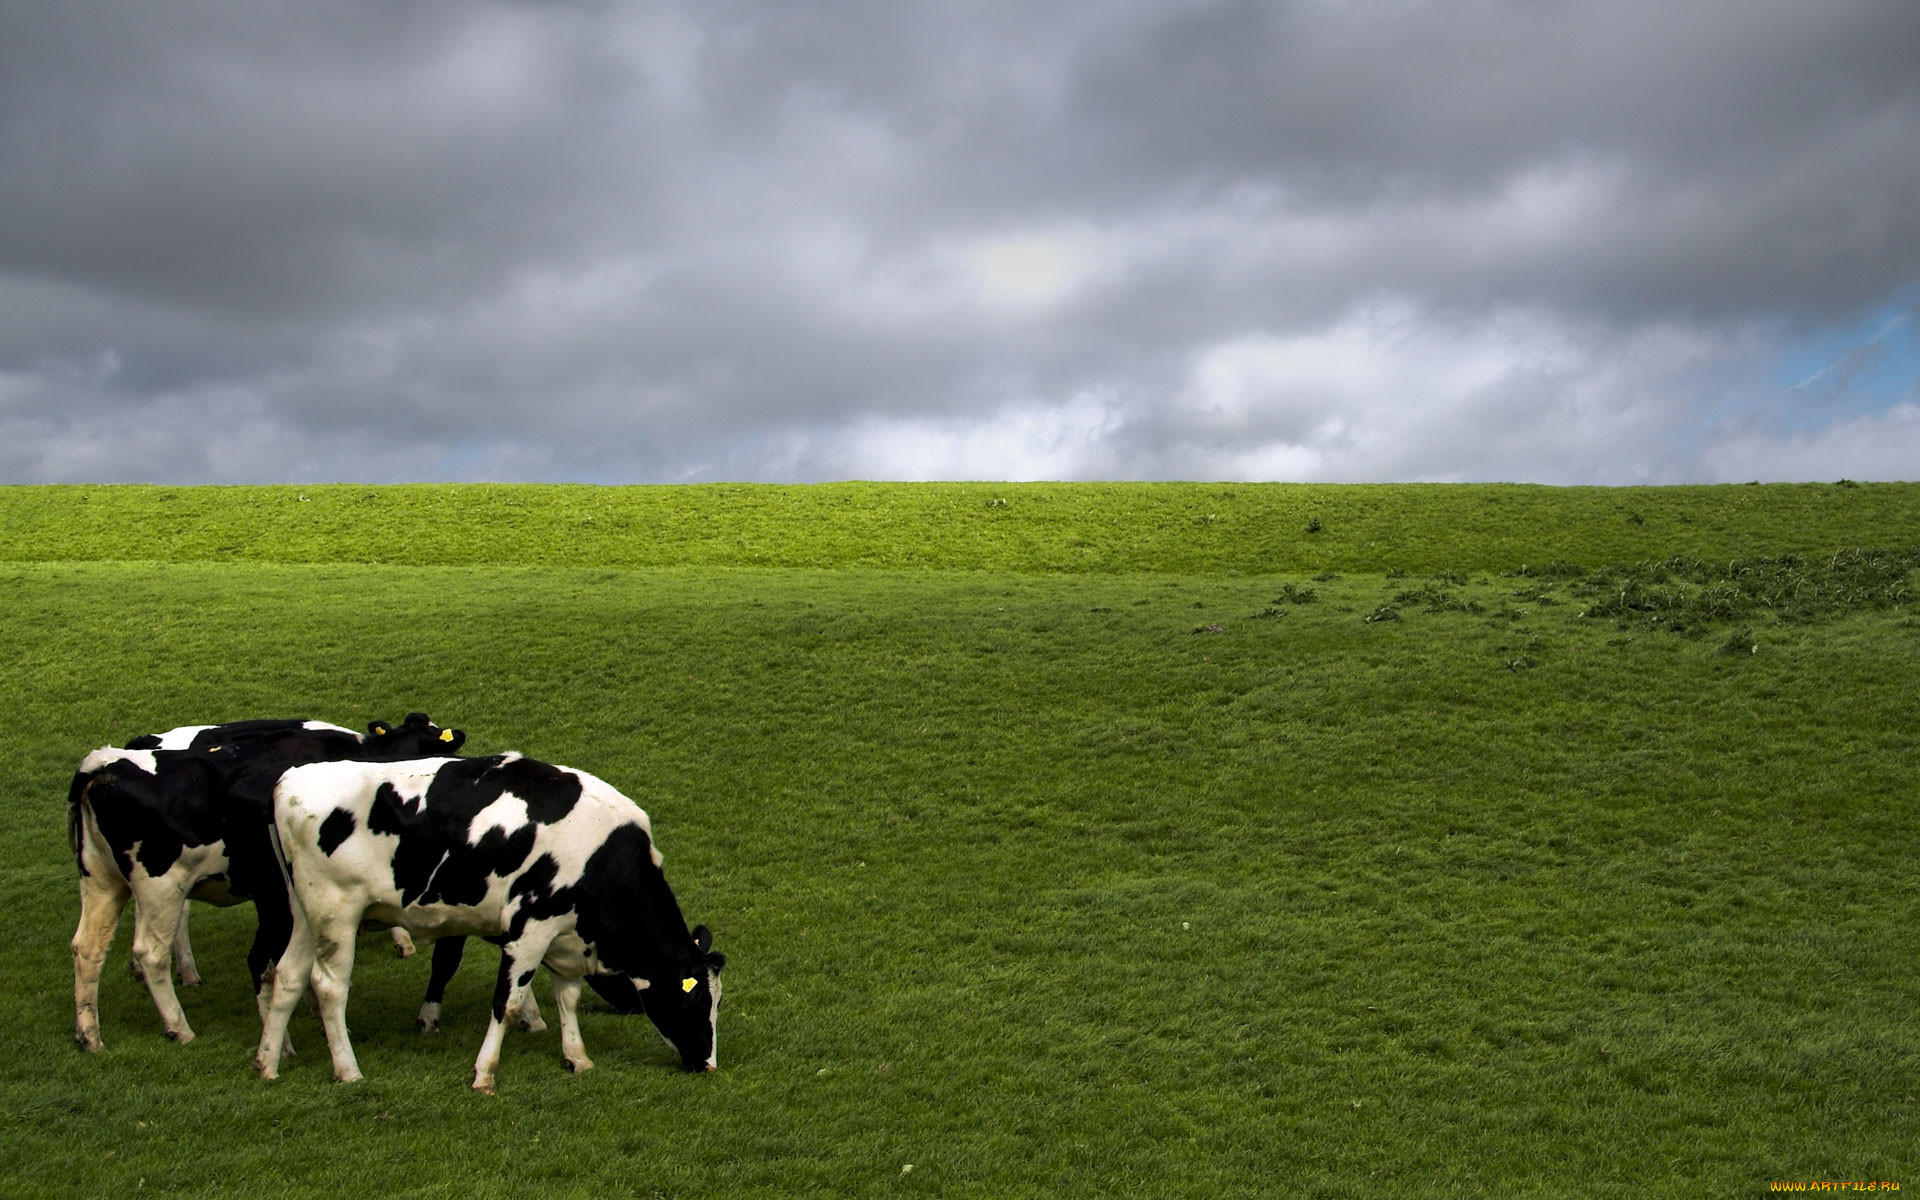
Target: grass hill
x=1224 y=529
x=1065 y=840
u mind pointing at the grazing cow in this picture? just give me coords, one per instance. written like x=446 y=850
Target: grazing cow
x=183 y=815
x=551 y=863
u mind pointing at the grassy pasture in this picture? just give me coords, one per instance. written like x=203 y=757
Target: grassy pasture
x=1224 y=859
x=1183 y=528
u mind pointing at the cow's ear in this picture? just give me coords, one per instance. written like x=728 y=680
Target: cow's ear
x=378 y=728
x=453 y=738
x=703 y=938
x=715 y=961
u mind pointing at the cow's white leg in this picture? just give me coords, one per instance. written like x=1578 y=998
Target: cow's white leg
x=528 y=1014
x=102 y=896
x=518 y=959
x=157 y=905
x=566 y=1002
x=183 y=953
x=263 y=998
x=489 y=1060
x=288 y=981
x=402 y=943
x=332 y=972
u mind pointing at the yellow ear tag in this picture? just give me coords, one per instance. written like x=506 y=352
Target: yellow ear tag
x=687 y=985
x=379 y=730
x=446 y=735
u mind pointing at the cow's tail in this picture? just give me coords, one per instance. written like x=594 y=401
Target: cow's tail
x=76 y=818
x=280 y=859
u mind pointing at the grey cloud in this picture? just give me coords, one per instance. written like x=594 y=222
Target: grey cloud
x=666 y=240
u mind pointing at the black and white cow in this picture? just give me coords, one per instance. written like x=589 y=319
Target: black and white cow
x=185 y=814
x=551 y=863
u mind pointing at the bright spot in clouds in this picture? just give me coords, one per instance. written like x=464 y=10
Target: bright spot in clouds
x=1030 y=271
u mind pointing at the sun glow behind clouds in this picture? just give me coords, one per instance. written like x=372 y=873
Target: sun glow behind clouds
x=1035 y=270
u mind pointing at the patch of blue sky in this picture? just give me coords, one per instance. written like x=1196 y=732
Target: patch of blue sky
x=1864 y=367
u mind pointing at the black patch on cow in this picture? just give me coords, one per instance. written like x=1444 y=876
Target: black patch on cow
x=631 y=933
x=537 y=896
x=389 y=814
x=337 y=828
x=437 y=861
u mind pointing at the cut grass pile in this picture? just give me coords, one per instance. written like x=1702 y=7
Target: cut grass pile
x=1154 y=882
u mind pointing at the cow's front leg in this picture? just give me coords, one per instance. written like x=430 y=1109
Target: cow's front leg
x=566 y=1003
x=517 y=962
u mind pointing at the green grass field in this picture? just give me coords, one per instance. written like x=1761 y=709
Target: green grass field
x=1065 y=840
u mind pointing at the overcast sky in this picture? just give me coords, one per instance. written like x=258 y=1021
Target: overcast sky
x=1592 y=241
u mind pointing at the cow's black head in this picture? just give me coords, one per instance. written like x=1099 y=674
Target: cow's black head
x=683 y=1002
x=415 y=737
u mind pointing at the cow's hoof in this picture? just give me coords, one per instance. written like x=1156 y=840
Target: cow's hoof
x=182 y=1036
x=428 y=1027
x=533 y=1024
x=579 y=1065
x=349 y=1077
x=92 y=1045
x=483 y=1086
x=192 y=981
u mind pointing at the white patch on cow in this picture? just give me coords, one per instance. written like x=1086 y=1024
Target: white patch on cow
x=507 y=814
x=318 y=726
x=107 y=754
x=181 y=738
x=599 y=789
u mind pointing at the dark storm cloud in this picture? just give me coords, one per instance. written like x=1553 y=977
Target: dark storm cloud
x=1557 y=241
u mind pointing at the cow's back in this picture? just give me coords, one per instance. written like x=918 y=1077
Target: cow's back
x=444 y=845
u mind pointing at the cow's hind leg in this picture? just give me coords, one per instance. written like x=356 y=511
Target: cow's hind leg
x=332 y=973
x=102 y=897
x=183 y=952
x=157 y=908
x=566 y=1004
x=528 y=1014
x=446 y=960
x=285 y=981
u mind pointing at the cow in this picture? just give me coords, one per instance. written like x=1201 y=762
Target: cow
x=551 y=863
x=183 y=815
x=203 y=737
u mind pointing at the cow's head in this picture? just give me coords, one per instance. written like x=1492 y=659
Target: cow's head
x=683 y=1001
x=415 y=737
